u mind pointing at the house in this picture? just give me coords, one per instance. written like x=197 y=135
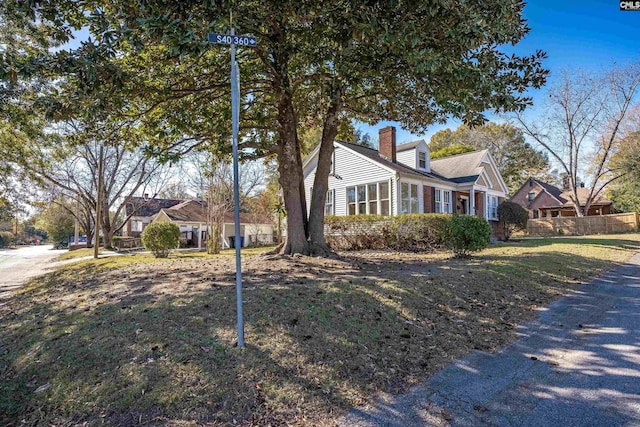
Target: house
x=141 y=210
x=398 y=179
x=191 y=217
x=543 y=200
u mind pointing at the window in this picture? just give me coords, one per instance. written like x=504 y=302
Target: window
x=443 y=201
x=536 y=214
x=136 y=226
x=447 y=201
x=329 y=203
x=368 y=199
x=493 y=207
x=422 y=160
x=409 y=198
x=531 y=196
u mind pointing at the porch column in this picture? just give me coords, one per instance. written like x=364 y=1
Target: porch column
x=199 y=236
x=486 y=205
x=472 y=202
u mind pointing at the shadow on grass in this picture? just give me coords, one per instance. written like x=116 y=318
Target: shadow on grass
x=147 y=344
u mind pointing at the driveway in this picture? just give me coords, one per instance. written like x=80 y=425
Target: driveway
x=577 y=365
x=19 y=265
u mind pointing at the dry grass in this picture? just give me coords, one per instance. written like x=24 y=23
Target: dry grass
x=130 y=340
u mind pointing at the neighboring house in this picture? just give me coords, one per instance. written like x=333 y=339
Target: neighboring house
x=141 y=210
x=191 y=217
x=544 y=200
x=403 y=179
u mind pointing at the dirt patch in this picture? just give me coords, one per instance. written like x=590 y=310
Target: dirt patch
x=153 y=343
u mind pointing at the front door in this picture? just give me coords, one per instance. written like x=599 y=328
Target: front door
x=464 y=203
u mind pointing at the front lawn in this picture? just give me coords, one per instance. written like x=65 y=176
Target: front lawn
x=131 y=339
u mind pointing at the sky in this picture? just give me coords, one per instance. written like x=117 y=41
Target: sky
x=591 y=35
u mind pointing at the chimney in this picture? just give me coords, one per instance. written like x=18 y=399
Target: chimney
x=387 y=143
x=566 y=182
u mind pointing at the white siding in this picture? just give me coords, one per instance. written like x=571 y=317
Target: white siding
x=410 y=157
x=353 y=169
x=407 y=157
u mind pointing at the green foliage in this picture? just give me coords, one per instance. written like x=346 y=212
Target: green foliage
x=451 y=150
x=57 y=221
x=6 y=238
x=516 y=159
x=513 y=217
x=411 y=232
x=161 y=238
x=464 y=234
x=625 y=192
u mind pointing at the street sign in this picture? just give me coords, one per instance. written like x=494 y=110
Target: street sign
x=231 y=39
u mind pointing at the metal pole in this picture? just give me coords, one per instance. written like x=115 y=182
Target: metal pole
x=96 y=231
x=235 y=118
x=76 y=226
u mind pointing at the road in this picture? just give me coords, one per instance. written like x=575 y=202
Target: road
x=19 y=265
x=577 y=365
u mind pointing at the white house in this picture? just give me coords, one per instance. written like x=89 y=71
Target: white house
x=403 y=179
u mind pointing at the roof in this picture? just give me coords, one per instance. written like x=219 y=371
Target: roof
x=195 y=211
x=583 y=194
x=552 y=190
x=144 y=206
x=408 y=145
x=373 y=154
x=460 y=165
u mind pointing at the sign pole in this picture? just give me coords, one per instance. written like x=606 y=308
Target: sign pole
x=248 y=41
x=235 y=118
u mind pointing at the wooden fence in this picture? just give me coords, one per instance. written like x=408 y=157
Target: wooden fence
x=578 y=226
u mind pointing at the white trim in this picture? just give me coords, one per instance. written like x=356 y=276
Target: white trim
x=496 y=172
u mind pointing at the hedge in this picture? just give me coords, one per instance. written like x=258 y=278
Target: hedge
x=414 y=232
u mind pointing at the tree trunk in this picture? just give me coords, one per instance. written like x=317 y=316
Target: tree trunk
x=317 y=239
x=292 y=179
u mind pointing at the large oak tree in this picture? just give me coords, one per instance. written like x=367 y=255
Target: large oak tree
x=412 y=62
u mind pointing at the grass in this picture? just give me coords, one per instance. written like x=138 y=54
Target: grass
x=132 y=339
x=135 y=257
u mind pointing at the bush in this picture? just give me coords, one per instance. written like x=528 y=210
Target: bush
x=464 y=234
x=513 y=217
x=161 y=238
x=6 y=238
x=417 y=232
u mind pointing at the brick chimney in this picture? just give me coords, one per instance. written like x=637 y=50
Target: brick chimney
x=387 y=143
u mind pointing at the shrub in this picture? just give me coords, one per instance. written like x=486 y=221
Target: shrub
x=417 y=232
x=6 y=238
x=513 y=217
x=464 y=234
x=161 y=238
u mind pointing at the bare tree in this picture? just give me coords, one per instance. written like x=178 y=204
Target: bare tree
x=72 y=171
x=582 y=124
x=212 y=178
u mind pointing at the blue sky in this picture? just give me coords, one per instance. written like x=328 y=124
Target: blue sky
x=589 y=35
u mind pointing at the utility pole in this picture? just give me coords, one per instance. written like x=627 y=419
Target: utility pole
x=233 y=40
x=96 y=230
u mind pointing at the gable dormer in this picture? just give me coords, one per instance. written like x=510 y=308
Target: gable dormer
x=415 y=154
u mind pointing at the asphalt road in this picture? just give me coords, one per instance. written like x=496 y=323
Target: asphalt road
x=577 y=365
x=19 y=265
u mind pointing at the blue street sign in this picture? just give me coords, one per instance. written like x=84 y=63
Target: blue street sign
x=231 y=39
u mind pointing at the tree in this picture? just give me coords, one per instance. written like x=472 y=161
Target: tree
x=416 y=63
x=451 y=150
x=582 y=125
x=515 y=158
x=513 y=217
x=625 y=192
x=56 y=221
